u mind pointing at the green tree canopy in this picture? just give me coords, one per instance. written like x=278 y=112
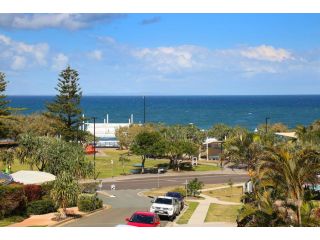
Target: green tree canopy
x=36 y=124
x=66 y=106
x=287 y=168
x=219 y=131
x=147 y=144
x=53 y=155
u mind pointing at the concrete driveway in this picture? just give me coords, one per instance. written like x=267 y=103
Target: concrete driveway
x=123 y=205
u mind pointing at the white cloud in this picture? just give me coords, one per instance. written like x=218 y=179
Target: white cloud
x=267 y=53
x=170 y=59
x=247 y=61
x=54 y=20
x=95 y=54
x=5 y=40
x=22 y=54
x=107 y=40
x=59 y=61
x=18 y=63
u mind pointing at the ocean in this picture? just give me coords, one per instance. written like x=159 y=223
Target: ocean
x=203 y=111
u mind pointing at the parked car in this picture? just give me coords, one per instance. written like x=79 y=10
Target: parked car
x=178 y=196
x=166 y=206
x=144 y=219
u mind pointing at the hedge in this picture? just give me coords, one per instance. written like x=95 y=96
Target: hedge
x=32 y=192
x=41 y=207
x=13 y=200
x=89 y=202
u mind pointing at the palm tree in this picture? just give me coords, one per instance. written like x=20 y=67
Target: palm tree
x=65 y=191
x=303 y=133
x=289 y=168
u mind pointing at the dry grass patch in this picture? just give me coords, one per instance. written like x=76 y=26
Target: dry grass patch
x=222 y=213
x=229 y=194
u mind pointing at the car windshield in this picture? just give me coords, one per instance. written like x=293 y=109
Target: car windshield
x=164 y=201
x=142 y=219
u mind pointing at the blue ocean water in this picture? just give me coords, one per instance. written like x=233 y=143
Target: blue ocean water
x=203 y=111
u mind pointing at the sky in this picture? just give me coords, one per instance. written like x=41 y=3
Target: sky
x=162 y=54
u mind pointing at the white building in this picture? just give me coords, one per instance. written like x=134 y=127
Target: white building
x=106 y=132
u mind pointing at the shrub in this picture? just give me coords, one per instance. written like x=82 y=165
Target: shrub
x=194 y=187
x=46 y=188
x=40 y=207
x=32 y=192
x=89 y=202
x=13 y=200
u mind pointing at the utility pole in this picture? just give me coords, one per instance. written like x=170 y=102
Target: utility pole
x=267 y=118
x=94 y=147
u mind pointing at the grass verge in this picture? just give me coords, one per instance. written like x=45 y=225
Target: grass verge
x=226 y=194
x=184 y=219
x=11 y=220
x=106 y=169
x=222 y=213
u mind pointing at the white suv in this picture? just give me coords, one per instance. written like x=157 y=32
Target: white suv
x=166 y=206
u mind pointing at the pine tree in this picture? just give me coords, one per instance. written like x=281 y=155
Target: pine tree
x=66 y=106
x=4 y=109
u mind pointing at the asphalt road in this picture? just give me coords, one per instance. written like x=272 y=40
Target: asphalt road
x=126 y=200
x=164 y=181
x=123 y=205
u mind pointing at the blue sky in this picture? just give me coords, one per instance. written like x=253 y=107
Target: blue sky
x=163 y=54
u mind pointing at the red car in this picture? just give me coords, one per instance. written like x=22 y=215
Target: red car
x=144 y=219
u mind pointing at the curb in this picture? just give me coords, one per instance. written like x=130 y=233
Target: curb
x=63 y=222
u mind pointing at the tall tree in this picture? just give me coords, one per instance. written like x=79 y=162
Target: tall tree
x=66 y=106
x=65 y=191
x=5 y=111
x=288 y=168
x=147 y=144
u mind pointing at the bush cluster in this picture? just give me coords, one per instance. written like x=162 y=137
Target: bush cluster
x=32 y=192
x=41 y=207
x=13 y=200
x=89 y=202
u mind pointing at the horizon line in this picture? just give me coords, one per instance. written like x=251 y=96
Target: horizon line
x=164 y=95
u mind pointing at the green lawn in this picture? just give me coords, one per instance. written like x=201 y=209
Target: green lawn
x=222 y=213
x=11 y=220
x=184 y=219
x=104 y=166
x=202 y=167
x=106 y=169
x=226 y=194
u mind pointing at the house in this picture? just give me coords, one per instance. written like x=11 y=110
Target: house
x=214 y=148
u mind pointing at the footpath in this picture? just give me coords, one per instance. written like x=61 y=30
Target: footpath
x=198 y=217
